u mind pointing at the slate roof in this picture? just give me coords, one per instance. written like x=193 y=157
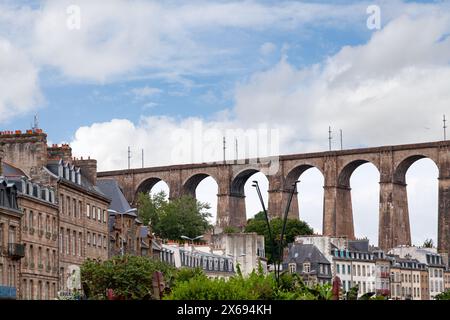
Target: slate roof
x=11 y=171
x=358 y=245
x=306 y=252
x=119 y=203
x=53 y=166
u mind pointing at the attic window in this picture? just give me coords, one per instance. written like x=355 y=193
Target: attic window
x=292 y=267
x=306 y=267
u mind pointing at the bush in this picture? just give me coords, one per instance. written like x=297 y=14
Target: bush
x=130 y=277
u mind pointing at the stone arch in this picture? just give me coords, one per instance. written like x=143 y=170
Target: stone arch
x=191 y=183
x=346 y=172
x=403 y=166
x=239 y=180
x=295 y=173
x=147 y=185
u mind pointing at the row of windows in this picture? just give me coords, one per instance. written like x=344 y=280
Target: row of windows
x=73 y=207
x=48 y=224
x=352 y=255
x=207 y=263
x=364 y=287
x=70 y=243
x=436 y=285
x=45 y=258
x=358 y=270
x=436 y=273
x=414 y=278
x=8 y=276
x=97 y=240
x=44 y=291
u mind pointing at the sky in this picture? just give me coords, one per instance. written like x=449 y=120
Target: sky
x=174 y=77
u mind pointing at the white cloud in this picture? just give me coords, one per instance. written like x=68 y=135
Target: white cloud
x=145 y=92
x=384 y=92
x=267 y=48
x=19 y=85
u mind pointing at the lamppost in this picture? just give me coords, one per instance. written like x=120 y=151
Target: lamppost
x=191 y=239
x=278 y=260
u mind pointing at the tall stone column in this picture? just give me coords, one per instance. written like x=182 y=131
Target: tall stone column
x=344 y=212
x=394 y=227
x=444 y=215
x=278 y=200
x=231 y=210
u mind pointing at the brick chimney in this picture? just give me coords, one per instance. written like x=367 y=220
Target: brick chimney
x=27 y=151
x=1 y=159
x=56 y=152
x=88 y=169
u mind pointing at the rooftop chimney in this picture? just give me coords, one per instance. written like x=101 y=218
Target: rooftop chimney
x=88 y=169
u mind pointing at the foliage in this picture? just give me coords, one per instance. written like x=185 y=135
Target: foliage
x=443 y=296
x=183 y=216
x=352 y=294
x=294 y=228
x=428 y=243
x=256 y=286
x=149 y=206
x=231 y=229
x=129 y=276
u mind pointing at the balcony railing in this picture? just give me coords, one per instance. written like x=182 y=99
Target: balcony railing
x=16 y=250
x=384 y=275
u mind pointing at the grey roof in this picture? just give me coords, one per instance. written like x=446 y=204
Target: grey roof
x=358 y=245
x=53 y=166
x=306 y=252
x=143 y=232
x=11 y=171
x=111 y=189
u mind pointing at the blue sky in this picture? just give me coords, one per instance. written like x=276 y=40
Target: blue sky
x=138 y=73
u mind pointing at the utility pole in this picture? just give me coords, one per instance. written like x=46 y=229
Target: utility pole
x=329 y=138
x=142 y=158
x=445 y=128
x=224 y=149
x=236 y=145
x=342 y=146
x=129 y=158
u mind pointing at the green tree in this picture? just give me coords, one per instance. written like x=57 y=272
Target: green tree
x=443 y=296
x=130 y=277
x=294 y=228
x=183 y=216
x=149 y=206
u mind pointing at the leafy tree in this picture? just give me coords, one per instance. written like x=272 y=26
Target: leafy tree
x=231 y=229
x=149 y=206
x=428 y=243
x=443 y=296
x=183 y=216
x=130 y=277
x=294 y=228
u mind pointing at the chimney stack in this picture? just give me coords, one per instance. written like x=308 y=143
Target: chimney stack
x=88 y=169
x=1 y=159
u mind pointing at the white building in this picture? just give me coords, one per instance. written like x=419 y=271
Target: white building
x=430 y=257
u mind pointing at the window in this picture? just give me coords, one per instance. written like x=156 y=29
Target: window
x=67 y=239
x=74 y=243
x=47 y=224
x=94 y=239
x=306 y=267
x=321 y=268
x=349 y=269
x=93 y=212
x=80 y=205
x=88 y=211
x=74 y=201
x=68 y=206
x=61 y=240
x=104 y=215
x=292 y=267
x=80 y=236
x=40 y=222
x=89 y=238
x=359 y=270
x=343 y=269
x=104 y=242
x=338 y=270
x=364 y=271
x=99 y=216
x=30 y=220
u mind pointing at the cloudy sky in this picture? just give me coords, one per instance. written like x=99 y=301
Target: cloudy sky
x=153 y=75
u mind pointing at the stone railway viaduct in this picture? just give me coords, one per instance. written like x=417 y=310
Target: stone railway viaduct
x=336 y=166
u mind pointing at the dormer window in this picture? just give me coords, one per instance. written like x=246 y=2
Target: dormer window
x=67 y=172
x=306 y=267
x=60 y=169
x=78 y=176
x=292 y=267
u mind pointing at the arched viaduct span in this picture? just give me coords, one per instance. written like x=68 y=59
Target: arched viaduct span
x=337 y=167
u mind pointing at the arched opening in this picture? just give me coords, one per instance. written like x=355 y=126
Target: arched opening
x=153 y=186
x=365 y=193
x=242 y=187
x=310 y=195
x=420 y=176
x=205 y=189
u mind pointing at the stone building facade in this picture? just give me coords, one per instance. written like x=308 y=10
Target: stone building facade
x=11 y=248
x=65 y=217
